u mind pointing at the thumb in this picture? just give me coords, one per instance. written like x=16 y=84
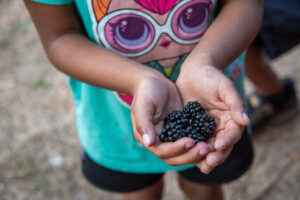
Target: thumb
x=142 y=123
x=236 y=105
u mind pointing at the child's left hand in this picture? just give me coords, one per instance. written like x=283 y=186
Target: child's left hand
x=154 y=98
x=217 y=94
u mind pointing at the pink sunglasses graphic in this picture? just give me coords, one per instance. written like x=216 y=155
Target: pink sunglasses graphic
x=133 y=33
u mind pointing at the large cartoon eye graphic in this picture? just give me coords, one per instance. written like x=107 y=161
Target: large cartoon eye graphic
x=191 y=21
x=129 y=33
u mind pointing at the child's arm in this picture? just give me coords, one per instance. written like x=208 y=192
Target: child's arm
x=230 y=34
x=154 y=96
x=72 y=53
x=200 y=78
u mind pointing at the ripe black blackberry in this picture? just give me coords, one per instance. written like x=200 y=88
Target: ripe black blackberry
x=191 y=122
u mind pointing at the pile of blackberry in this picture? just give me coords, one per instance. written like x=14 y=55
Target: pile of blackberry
x=191 y=122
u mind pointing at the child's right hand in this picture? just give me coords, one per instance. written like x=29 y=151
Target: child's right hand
x=219 y=97
x=154 y=98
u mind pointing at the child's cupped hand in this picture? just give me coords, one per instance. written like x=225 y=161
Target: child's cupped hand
x=154 y=98
x=217 y=94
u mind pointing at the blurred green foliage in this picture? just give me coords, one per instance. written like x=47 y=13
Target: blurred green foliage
x=41 y=83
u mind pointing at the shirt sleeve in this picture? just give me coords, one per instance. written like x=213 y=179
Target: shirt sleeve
x=55 y=2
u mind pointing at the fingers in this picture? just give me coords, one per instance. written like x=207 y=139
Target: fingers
x=232 y=98
x=212 y=160
x=223 y=144
x=227 y=137
x=181 y=152
x=164 y=150
x=172 y=149
x=142 y=124
x=195 y=155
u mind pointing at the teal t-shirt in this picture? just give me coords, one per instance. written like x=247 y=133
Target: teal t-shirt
x=159 y=34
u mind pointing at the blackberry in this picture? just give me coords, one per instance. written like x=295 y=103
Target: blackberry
x=190 y=122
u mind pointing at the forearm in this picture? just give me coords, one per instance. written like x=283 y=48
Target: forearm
x=228 y=35
x=71 y=52
x=86 y=61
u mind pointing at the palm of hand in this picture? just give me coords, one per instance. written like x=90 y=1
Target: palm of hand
x=221 y=101
x=227 y=133
x=152 y=102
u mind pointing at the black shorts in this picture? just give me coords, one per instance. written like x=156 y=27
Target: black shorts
x=236 y=164
x=280 y=30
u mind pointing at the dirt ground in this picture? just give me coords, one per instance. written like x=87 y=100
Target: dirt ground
x=39 y=149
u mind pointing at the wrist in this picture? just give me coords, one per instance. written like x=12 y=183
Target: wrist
x=198 y=60
x=197 y=63
x=191 y=76
x=145 y=76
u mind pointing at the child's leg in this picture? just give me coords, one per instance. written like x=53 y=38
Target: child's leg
x=260 y=73
x=153 y=192
x=273 y=98
x=195 y=191
x=131 y=185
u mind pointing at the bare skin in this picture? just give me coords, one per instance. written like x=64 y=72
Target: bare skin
x=195 y=191
x=153 y=192
x=259 y=71
x=192 y=190
x=69 y=50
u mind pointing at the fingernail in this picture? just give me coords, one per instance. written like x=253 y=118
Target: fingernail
x=146 y=140
x=213 y=165
x=208 y=171
x=222 y=148
x=203 y=152
x=189 y=145
x=245 y=117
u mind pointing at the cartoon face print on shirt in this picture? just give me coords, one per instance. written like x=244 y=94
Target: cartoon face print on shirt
x=151 y=30
x=157 y=30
